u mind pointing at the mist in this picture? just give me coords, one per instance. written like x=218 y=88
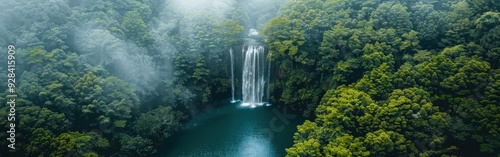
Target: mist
x=99 y=36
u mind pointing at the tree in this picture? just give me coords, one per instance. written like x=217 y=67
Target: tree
x=346 y=145
x=387 y=143
x=158 y=124
x=41 y=143
x=230 y=31
x=484 y=6
x=72 y=143
x=431 y=73
x=429 y=23
x=378 y=83
x=136 y=146
x=328 y=50
x=376 y=59
x=36 y=117
x=392 y=16
x=309 y=147
x=342 y=109
x=182 y=68
x=136 y=29
x=200 y=72
x=284 y=37
x=469 y=78
x=405 y=77
x=460 y=24
x=105 y=101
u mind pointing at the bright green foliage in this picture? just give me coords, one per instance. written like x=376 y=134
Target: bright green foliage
x=405 y=76
x=381 y=130
x=470 y=77
x=284 y=37
x=376 y=59
x=230 y=30
x=386 y=143
x=411 y=113
x=342 y=109
x=309 y=147
x=432 y=73
x=305 y=131
x=346 y=146
x=378 y=83
x=38 y=55
x=72 y=143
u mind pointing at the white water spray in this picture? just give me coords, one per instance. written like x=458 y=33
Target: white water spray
x=232 y=74
x=253 y=80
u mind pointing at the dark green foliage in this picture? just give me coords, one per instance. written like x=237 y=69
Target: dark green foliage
x=108 y=101
x=158 y=124
x=136 y=146
x=74 y=73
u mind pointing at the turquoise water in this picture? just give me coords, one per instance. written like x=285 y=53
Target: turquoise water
x=234 y=131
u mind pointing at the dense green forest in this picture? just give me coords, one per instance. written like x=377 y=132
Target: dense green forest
x=375 y=78
x=390 y=78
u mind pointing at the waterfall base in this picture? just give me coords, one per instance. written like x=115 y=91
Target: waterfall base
x=253 y=105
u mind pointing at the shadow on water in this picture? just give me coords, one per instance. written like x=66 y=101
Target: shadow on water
x=233 y=131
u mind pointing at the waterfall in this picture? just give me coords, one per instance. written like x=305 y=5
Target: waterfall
x=253 y=79
x=268 y=79
x=254 y=69
x=232 y=74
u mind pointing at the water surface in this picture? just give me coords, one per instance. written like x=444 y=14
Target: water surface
x=235 y=131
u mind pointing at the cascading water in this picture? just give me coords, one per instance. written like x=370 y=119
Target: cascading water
x=268 y=78
x=254 y=75
x=255 y=72
x=232 y=74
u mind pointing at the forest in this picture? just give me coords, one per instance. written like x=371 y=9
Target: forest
x=372 y=77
